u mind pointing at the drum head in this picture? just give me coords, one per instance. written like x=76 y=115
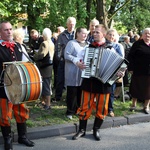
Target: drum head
x=13 y=83
x=22 y=82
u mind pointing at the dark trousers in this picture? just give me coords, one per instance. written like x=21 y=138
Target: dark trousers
x=60 y=80
x=73 y=99
x=111 y=98
x=55 y=69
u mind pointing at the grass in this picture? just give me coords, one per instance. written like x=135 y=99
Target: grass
x=41 y=117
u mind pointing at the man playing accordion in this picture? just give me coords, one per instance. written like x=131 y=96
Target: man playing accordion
x=95 y=94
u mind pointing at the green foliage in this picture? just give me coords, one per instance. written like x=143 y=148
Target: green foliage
x=130 y=14
x=135 y=16
x=122 y=29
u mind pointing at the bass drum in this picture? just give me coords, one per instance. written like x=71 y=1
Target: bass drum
x=22 y=82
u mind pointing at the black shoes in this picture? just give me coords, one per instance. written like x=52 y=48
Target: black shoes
x=55 y=100
x=96 y=134
x=132 y=108
x=8 y=143
x=79 y=134
x=47 y=107
x=7 y=135
x=146 y=110
x=24 y=140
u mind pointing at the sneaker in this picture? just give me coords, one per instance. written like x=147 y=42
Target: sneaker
x=111 y=114
x=69 y=117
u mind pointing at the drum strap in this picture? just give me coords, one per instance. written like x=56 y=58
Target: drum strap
x=28 y=57
x=19 y=47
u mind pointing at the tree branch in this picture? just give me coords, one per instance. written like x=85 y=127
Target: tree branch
x=128 y=1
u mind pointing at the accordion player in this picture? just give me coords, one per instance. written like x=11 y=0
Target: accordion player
x=103 y=63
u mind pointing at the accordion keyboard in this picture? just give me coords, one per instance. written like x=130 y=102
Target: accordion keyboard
x=103 y=64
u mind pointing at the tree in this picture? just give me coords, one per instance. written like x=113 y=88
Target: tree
x=106 y=10
x=3 y=10
x=136 y=16
x=53 y=13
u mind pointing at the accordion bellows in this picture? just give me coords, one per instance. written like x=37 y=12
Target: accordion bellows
x=103 y=63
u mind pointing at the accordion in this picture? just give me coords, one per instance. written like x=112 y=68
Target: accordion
x=103 y=63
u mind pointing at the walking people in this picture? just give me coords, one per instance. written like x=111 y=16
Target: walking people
x=8 y=53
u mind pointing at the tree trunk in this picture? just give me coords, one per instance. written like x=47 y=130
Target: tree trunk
x=88 y=9
x=101 y=14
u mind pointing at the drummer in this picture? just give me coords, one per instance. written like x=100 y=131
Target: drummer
x=8 y=53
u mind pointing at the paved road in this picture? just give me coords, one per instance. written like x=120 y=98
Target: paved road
x=127 y=137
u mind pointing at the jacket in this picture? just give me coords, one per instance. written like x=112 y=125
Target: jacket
x=45 y=48
x=61 y=43
x=139 y=58
x=7 y=56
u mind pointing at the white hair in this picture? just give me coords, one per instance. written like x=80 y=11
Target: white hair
x=18 y=33
x=71 y=19
x=61 y=28
x=47 y=34
x=94 y=21
x=146 y=29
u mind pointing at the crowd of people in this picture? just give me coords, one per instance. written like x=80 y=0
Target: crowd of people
x=62 y=54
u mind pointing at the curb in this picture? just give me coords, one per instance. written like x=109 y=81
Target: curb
x=63 y=129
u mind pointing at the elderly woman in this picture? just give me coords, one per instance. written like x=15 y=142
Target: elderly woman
x=43 y=60
x=74 y=53
x=112 y=41
x=139 y=67
x=18 y=36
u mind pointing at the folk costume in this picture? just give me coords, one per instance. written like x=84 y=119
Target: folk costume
x=8 y=53
x=95 y=95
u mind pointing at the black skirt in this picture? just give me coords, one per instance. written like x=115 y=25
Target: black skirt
x=140 y=87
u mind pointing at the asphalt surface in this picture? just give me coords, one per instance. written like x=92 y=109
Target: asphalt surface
x=64 y=129
x=126 y=137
